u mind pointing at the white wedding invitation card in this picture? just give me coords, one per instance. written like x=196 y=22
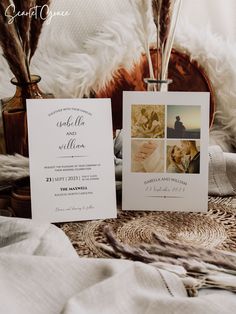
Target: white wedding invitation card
x=71 y=159
x=165 y=151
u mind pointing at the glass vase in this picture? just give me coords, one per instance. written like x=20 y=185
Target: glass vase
x=14 y=115
x=157 y=85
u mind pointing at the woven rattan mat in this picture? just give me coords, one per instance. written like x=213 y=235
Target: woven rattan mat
x=214 y=229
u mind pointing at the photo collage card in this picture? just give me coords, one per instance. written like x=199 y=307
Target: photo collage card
x=165 y=141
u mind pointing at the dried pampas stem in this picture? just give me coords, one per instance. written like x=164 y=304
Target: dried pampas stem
x=37 y=24
x=23 y=26
x=23 y=22
x=131 y=253
x=156 y=8
x=165 y=19
x=165 y=16
x=170 y=39
x=11 y=45
x=187 y=251
x=171 y=252
x=19 y=38
x=197 y=267
x=142 y=9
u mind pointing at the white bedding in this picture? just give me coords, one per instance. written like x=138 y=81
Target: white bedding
x=40 y=273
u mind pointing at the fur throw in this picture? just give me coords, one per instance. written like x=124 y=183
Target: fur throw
x=13 y=168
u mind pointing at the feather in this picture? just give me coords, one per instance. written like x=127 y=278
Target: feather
x=142 y=9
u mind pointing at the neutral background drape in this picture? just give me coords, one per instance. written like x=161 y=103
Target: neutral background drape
x=87 y=16
x=219 y=15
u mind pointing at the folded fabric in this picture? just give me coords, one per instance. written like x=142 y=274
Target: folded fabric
x=23 y=236
x=222 y=171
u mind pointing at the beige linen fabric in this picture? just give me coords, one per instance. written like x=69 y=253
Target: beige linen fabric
x=41 y=274
x=222 y=172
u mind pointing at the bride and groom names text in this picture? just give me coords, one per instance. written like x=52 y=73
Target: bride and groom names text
x=71 y=122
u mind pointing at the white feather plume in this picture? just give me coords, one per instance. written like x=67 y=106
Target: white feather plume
x=170 y=39
x=13 y=167
x=143 y=15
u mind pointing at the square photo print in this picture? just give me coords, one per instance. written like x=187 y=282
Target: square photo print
x=148 y=121
x=147 y=156
x=184 y=122
x=183 y=156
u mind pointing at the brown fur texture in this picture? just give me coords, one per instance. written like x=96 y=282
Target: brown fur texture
x=124 y=80
x=187 y=75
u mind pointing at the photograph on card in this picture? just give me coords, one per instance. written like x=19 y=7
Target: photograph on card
x=183 y=156
x=183 y=122
x=147 y=156
x=148 y=121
